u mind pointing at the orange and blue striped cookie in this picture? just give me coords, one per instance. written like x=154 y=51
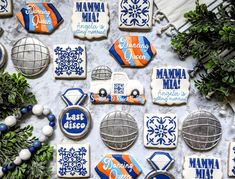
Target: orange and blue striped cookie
x=133 y=51
x=114 y=166
x=39 y=17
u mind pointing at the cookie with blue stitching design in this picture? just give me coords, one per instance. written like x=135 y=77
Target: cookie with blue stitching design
x=135 y=14
x=70 y=61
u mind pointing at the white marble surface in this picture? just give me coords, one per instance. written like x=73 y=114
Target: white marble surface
x=48 y=90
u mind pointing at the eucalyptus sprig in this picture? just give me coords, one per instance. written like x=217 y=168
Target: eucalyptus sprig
x=210 y=36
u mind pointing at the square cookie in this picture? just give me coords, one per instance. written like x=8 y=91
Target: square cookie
x=160 y=131
x=135 y=14
x=6 y=8
x=231 y=160
x=73 y=160
x=70 y=61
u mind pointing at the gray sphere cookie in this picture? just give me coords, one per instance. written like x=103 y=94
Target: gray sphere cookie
x=201 y=131
x=3 y=56
x=30 y=56
x=119 y=130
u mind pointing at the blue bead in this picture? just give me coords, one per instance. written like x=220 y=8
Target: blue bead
x=3 y=127
x=24 y=110
x=36 y=144
x=4 y=169
x=51 y=117
x=52 y=124
x=11 y=166
x=29 y=107
x=32 y=149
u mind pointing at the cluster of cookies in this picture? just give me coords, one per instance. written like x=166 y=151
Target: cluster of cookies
x=170 y=86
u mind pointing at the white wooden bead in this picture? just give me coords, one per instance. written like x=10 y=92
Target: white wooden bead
x=37 y=110
x=25 y=154
x=1 y=172
x=10 y=121
x=46 y=111
x=47 y=130
x=43 y=138
x=17 y=160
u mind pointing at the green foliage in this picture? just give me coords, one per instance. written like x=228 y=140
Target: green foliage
x=10 y=145
x=13 y=93
x=210 y=34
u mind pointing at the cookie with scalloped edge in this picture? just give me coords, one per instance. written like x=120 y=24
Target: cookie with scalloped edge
x=170 y=85
x=90 y=19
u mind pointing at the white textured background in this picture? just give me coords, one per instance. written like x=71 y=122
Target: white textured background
x=48 y=90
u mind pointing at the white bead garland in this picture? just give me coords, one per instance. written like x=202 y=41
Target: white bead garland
x=1 y=172
x=37 y=110
x=43 y=138
x=17 y=160
x=25 y=154
x=47 y=130
x=10 y=121
x=46 y=111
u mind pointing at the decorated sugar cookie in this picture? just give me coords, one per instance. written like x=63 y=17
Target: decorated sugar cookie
x=170 y=85
x=30 y=56
x=70 y=61
x=74 y=120
x=6 y=8
x=160 y=131
x=202 y=167
x=117 y=88
x=73 y=160
x=132 y=51
x=135 y=14
x=39 y=17
x=160 y=162
x=117 y=166
x=201 y=131
x=3 y=55
x=231 y=159
x=90 y=19
x=118 y=130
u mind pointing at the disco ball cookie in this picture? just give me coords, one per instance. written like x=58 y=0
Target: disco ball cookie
x=3 y=55
x=201 y=131
x=119 y=130
x=30 y=56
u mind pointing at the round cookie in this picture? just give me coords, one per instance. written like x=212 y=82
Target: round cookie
x=3 y=55
x=201 y=131
x=119 y=130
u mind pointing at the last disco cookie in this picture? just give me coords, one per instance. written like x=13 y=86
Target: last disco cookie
x=90 y=19
x=39 y=17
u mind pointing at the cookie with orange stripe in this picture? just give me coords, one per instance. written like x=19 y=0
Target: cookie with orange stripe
x=39 y=17
x=132 y=51
x=115 y=166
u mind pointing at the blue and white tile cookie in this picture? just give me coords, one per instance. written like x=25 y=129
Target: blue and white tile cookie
x=231 y=160
x=73 y=160
x=6 y=8
x=70 y=61
x=160 y=131
x=135 y=14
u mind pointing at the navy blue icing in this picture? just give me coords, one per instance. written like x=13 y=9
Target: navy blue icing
x=74 y=121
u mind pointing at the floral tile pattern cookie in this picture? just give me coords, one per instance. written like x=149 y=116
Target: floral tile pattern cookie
x=6 y=8
x=132 y=51
x=73 y=160
x=90 y=19
x=118 y=166
x=203 y=167
x=160 y=130
x=231 y=160
x=170 y=85
x=135 y=14
x=117 y=89
x=39 y=17
x=70 y=61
